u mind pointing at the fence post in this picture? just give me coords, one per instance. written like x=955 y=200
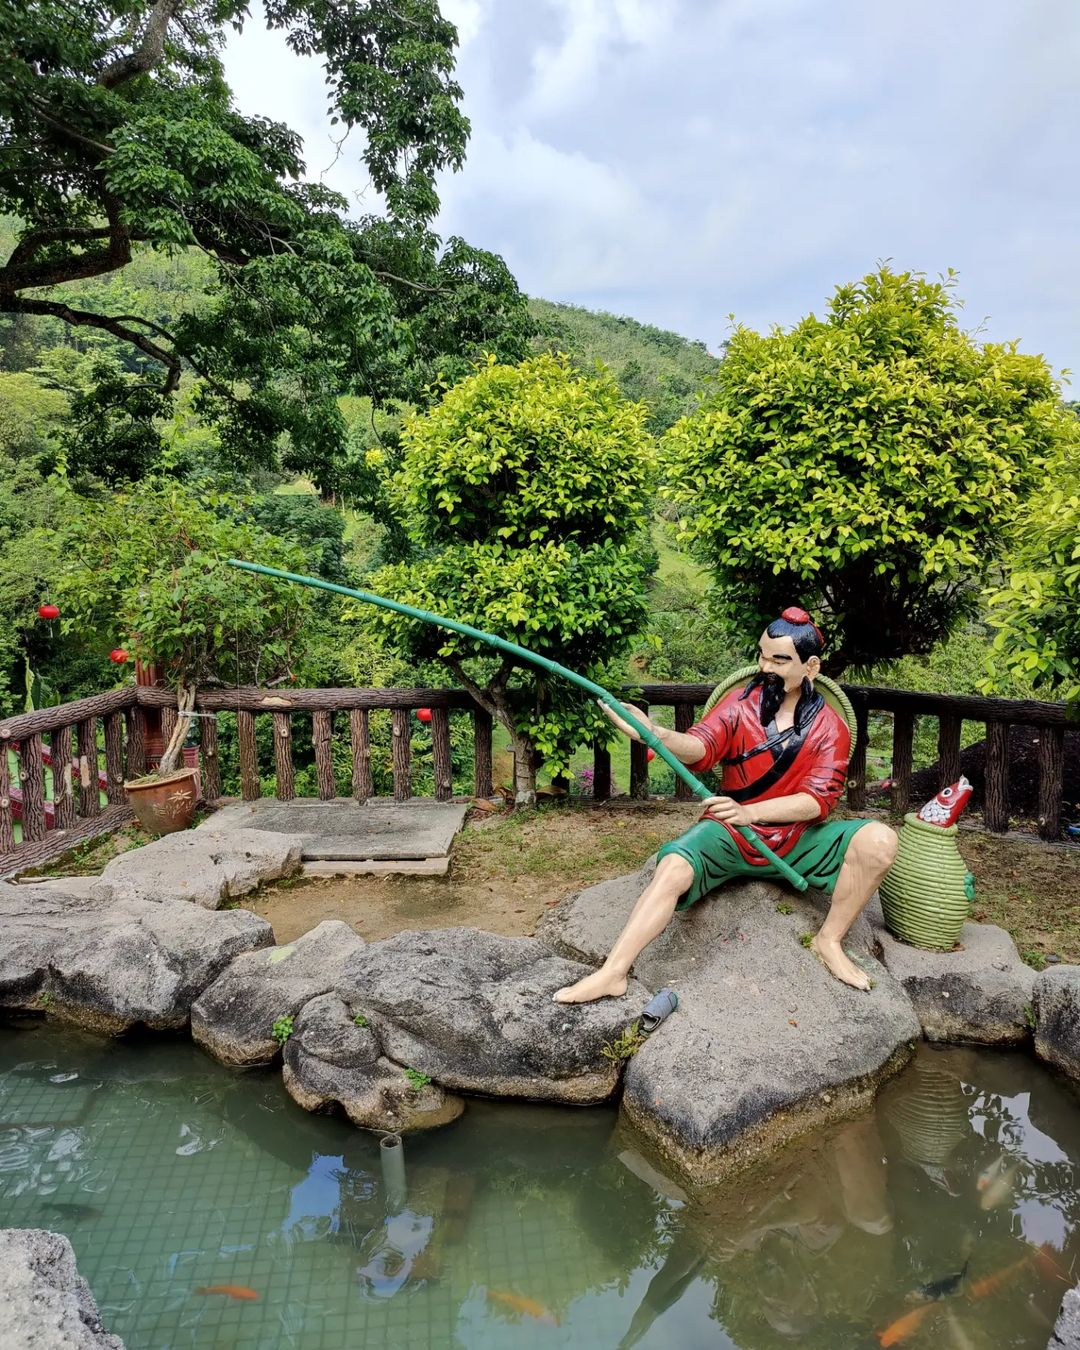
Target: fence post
x=996 y=803
x=283 y=760
x=402 y=750
x=903 y=738
x=360 y=732
x=250 y=787
x=442 y=763
x=1051 y=773
x=948 y=748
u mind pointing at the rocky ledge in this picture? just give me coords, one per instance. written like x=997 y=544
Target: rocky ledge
x=764 y=1044
x=234 y=1019
x=1067 y=1328
x=980 y=993
x=45 y=1304
x=111 y=964
x=473 y=1012
x=207 y=866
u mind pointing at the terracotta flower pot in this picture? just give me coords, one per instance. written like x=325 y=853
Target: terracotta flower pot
x=164 y=805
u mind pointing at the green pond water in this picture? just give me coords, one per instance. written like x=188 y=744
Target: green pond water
x=530 y=1226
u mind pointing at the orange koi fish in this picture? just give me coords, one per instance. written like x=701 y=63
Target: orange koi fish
x=897 y=1332
x=527 y=1307
x=230 y=1291
x=1046 y=1263
x=990 y=1284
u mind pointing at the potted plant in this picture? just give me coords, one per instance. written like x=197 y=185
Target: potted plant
x=145 y=570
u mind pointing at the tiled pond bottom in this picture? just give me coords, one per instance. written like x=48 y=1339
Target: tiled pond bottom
x=532 y=1226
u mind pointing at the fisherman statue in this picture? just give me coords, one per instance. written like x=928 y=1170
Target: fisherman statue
x=784 y=755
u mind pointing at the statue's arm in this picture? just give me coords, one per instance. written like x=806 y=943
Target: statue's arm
x=788 y=810
x=686 y=748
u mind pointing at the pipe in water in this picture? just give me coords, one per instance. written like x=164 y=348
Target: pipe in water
x=392 y=1157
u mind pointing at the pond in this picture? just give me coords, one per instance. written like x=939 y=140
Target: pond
x=206 y=1210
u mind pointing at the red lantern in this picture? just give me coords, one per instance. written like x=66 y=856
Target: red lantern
x=118 y=656
x=48 y=612
x=650 y=755
x=423 y=714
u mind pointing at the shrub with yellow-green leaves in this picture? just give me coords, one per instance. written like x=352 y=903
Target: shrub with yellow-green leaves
x=866 y=464
x=1036 y=610
x=526 y=494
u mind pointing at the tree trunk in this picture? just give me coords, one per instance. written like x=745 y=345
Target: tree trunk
x=524 y=772
x=185 y=702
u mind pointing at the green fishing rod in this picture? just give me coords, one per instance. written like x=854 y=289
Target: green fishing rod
x=648 y=737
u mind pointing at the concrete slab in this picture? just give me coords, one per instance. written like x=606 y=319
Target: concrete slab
x=344 y=830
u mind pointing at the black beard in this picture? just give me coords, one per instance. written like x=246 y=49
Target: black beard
x=772 y=697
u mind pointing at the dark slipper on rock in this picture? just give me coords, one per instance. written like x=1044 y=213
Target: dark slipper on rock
x=661 y=1005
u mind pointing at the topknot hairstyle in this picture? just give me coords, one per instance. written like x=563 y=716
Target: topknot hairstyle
x=797 y=625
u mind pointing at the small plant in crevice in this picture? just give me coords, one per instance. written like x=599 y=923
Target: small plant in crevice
x=784 y=908
x=282 y=1029
x=626 y=1045
x=1029 y=1016
x=806 y=939
x=360 y=1020
x=45 y=999
x=417 y=1080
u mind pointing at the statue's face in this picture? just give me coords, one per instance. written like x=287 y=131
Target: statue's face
x=781 y=663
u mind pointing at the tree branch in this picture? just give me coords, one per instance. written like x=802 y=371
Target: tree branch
x=30 y=243
x=81 y=318
x=471 y=687
x=150 y=49
x=68 y=131
x=413 y=285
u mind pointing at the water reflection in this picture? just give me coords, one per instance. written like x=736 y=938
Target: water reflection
x=947 y=1217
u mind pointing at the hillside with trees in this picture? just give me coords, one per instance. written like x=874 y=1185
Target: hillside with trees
x=650 y=365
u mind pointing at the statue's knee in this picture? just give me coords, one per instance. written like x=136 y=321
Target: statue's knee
x=877 y=845
x=674 y=872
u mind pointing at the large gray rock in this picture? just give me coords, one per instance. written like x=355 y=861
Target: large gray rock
x=474 y=1011
x=206 y=866
x=981 y=994
x=109 y=965
x=1067 y=1328
x=330 y=1060
x=45 y=1304
x=1056 y=1005
x=234 y=1018
x=765 y=1043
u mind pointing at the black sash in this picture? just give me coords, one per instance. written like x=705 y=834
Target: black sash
x=783 y=745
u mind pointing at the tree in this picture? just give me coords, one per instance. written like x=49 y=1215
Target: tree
x=1037 y=608
x=145 y=569
x=865 y=465
x=119 y=130
x=526 y=493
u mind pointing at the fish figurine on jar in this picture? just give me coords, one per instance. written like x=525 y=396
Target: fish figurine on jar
x=927 y=893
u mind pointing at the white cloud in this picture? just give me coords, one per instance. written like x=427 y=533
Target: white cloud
x=677 y=159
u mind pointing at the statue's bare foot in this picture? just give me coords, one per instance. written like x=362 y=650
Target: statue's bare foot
x=836 y=960
x=602 y=984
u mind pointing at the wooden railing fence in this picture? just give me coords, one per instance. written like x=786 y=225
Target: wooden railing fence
x=118 y=722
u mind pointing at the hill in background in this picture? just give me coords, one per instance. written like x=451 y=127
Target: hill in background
x=664 y=369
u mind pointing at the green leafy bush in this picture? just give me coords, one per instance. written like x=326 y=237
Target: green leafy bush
x=1036 y=610
x=865 y=465
x=526 y=491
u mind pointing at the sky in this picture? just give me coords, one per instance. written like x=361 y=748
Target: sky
x=680 y=161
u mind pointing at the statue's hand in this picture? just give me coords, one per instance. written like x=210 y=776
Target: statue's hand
x=625 y=727
x=726 y=811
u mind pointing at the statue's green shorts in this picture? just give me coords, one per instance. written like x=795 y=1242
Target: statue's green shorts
x=708 y=847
